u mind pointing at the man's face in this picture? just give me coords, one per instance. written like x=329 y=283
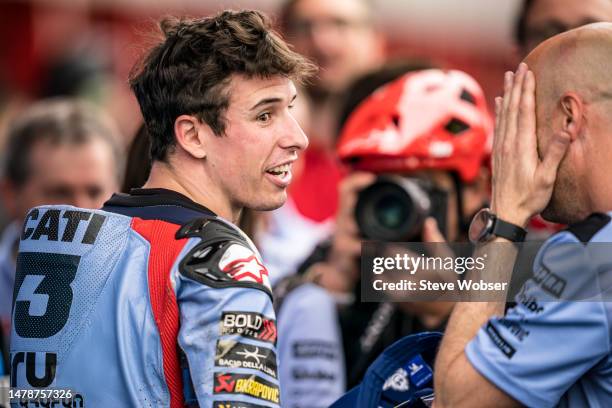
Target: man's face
x=338 y=36
x=563 y=206
x=547 y=18
x=251 y=162
x=82 y=175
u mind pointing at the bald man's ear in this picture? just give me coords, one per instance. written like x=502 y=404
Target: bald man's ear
x=572 y=108
x=191 y=135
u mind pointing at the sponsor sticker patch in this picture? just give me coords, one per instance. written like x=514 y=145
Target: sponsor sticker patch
x=249 y=324
x=326 y=350
x=233 y=354
x=246 y=384
x=243 y=265
x=549 y=281
x=499 y=341
x=398 y=381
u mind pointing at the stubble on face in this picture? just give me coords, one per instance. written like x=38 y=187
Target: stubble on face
x=563 y=206
x=251 y=145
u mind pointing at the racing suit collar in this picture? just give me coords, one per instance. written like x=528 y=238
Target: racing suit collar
x=156 y=203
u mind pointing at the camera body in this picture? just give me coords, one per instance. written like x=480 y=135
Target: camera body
x=394 y=208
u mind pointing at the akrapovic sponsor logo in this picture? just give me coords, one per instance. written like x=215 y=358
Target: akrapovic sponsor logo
x=249 y=324
x=246 y=384
x=232 y=354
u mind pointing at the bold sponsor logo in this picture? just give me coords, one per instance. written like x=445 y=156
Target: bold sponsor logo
x=315 y=349
x=249 y=324
x=499 y=341
x=246 y=384
x=242 y=264
x=233 y=354
x=549 y=281
x=398 y=381
x=235 y=404
x=515 y=328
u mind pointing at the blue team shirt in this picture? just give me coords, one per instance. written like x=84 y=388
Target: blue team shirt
x=550 y=350
x=119 y=308
x=310 y=349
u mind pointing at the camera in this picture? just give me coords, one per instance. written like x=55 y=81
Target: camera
x=394 y=208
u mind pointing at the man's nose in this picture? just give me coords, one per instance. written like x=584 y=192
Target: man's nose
x=294 y=138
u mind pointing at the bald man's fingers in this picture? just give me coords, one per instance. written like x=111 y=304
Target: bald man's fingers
x=496 y=136
x=527 y=119
x=508 y=78
x=513 y=106
x=500 y=120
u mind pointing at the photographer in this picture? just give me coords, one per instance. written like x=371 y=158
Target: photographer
x=441 y=124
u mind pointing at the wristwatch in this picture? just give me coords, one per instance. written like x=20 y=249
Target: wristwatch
x=486 y=225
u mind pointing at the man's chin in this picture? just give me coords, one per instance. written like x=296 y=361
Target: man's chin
x=271 y=203
x=559 y=216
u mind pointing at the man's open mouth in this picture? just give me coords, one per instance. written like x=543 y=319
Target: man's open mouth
x=280 y=170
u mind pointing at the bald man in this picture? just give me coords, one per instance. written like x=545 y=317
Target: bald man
x=548 y=350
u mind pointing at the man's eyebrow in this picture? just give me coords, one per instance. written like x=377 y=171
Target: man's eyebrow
x=268 y=101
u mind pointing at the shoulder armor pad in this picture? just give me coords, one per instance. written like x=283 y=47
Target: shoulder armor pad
x=223 y=258
x=585 y=230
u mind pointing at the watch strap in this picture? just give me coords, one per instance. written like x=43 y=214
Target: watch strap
x=508 y=230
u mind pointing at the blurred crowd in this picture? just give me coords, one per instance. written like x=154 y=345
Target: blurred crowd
x=71 y=133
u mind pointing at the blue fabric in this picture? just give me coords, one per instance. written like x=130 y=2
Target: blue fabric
x=548 y=351
x=108 y=349
x=310 y=349
x=396 y=377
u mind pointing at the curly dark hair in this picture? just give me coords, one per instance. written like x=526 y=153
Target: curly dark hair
x=189 y=71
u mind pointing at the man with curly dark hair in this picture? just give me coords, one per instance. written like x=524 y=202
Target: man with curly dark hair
x=159 y=299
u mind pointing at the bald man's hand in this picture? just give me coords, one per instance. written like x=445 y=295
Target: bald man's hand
x=522 y=181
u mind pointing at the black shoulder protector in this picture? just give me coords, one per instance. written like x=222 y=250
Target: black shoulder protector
x=202 y=262
x=585 y=230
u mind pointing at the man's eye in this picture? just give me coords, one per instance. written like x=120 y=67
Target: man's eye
x=264 y=117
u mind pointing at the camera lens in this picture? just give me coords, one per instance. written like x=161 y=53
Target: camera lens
x=390 y=212
x=392 y=209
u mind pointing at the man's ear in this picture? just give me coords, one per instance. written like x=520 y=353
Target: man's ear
x=572 y=110
x=191 y=135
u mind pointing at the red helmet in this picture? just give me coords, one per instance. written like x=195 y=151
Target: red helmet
x=430 y=119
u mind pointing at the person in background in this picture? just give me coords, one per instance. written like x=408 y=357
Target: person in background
x=539 y=20
x=331 y=274
x=59 y=151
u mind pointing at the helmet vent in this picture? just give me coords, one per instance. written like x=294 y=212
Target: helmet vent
x=456 y=126
x=468 y=97
x=396 y=120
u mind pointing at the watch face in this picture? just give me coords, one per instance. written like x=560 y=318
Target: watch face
x=480 y=227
